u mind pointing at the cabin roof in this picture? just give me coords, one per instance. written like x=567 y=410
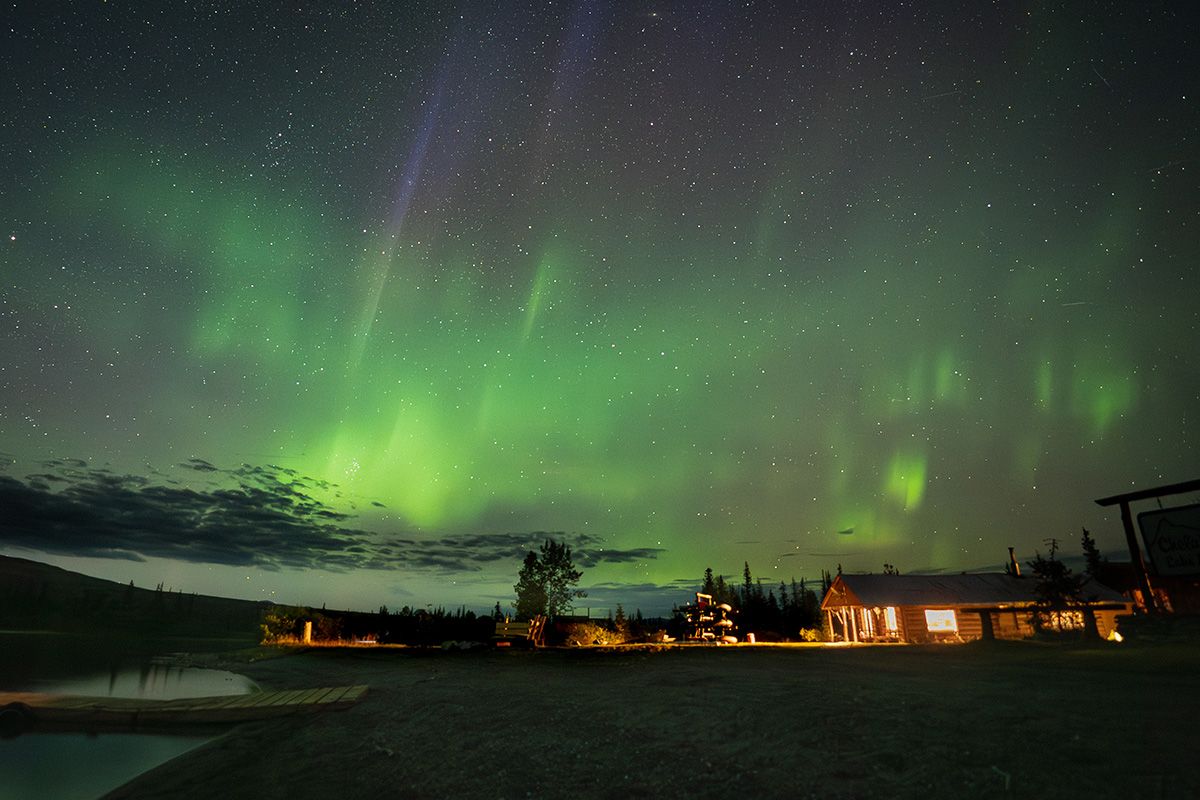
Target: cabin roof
x=976 y=589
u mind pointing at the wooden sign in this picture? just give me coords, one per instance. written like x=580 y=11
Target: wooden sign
x=1172 y=537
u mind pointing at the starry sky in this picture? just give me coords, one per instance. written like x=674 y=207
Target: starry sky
x=352 y=303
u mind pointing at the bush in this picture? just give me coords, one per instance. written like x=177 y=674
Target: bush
x=282 y=624
x=588 y=634
x=810 y=635
x=326 y=629
x=285 y=625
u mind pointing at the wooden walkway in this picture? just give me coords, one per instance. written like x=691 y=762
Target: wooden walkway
x=34 y=711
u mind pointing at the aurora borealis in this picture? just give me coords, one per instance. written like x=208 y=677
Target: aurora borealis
x=693 y=283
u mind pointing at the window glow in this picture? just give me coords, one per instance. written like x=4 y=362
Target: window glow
x=1062 y=620
x=941 y=621
x=868 y=623
x=889 y=619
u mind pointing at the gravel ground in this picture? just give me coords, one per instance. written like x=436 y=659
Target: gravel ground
x=996 y=720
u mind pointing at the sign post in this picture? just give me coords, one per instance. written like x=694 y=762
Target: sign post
x=1135 y=552
x=1172 y=537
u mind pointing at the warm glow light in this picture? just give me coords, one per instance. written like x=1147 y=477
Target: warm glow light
x=868 y=623
x=1062 y=620
x=941 y=621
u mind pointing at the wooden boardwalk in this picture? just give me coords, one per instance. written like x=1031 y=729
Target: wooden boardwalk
x=34 y=711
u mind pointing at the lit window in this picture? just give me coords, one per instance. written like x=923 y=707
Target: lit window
x=1062 y=620
x=889 y=619
x=868 y=622
x=940 y=621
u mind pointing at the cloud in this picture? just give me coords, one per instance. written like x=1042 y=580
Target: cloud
x=470 y=552
x=199 y=465
x=252 y=516
x=100 y=514
x=651 y=599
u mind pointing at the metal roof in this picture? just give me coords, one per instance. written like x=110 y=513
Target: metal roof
x=993 y=588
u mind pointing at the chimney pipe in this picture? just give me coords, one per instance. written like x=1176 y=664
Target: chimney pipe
x=1013 y=567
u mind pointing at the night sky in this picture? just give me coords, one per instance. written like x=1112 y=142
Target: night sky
x=348 y=305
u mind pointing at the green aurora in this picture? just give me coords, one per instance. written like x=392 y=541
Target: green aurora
x=906 y=305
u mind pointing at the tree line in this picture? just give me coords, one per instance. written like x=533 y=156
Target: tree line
x=546 y=585
x=789 y=611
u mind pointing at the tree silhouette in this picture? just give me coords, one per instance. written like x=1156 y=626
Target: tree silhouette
x=827 y=581
x=1058 y=589
x=546 y=582
x=530 y=588
x=621 y=623
x=1091 y=554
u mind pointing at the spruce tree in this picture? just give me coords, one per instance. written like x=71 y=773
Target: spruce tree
x=722 y=593
x=826 y=582
x=1057 y=588
x=1091 y=554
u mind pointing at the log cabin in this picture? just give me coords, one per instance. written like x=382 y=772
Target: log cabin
x=954 y=608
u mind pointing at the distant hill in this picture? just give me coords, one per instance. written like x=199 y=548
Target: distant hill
x=36 y=596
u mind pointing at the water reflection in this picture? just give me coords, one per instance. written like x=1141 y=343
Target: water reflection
x=31 y=660
x=152 y=681
x=66 y=766
x=75 y=766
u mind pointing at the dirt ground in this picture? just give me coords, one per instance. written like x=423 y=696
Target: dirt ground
x=994 y=720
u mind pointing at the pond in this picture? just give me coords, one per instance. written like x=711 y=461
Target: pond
x=58 y=766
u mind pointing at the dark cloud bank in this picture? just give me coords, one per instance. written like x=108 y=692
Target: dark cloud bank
x=253 y=516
